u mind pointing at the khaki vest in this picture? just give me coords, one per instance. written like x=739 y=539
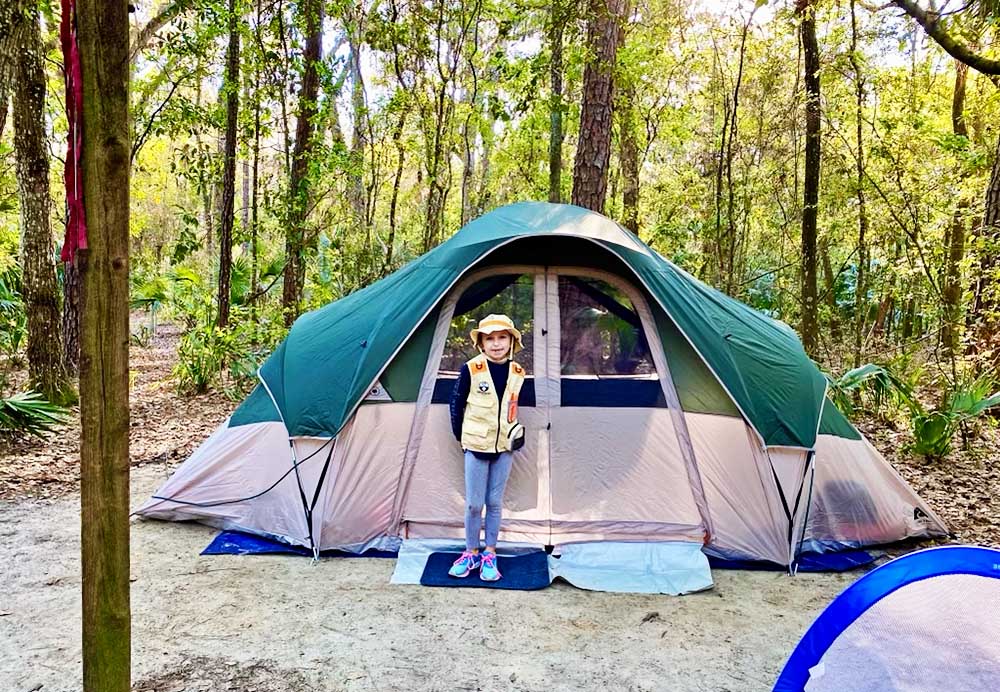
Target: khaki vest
x=489 y=420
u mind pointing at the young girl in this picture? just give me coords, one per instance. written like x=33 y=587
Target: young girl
x=484 y=420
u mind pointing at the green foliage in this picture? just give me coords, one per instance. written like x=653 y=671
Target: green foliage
x=203 y=354
x=13 y=321
x=31 y=414
x=870 y=383
x=210 y=356
x=933 y=428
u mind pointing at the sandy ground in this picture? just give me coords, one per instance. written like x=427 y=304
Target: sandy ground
x=277 y=623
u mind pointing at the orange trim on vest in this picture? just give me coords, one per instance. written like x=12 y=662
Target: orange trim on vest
x=512 y=408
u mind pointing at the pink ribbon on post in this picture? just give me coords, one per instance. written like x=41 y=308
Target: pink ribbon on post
x=76 y=224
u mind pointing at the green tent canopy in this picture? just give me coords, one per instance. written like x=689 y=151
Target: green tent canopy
x=333 y=355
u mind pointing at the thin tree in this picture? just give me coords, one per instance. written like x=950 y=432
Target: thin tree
x=557 y=20
x=231 y=88
x=104 y=406
x=955 y=233
x=593 y=151
x=629 y=157
x=810 y=207
x=294 y=275
x=860 y=284
x=46 y=370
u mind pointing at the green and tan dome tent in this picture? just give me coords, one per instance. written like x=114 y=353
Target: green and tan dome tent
x=657 y=409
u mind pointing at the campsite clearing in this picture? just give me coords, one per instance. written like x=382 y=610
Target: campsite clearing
x=281 y=623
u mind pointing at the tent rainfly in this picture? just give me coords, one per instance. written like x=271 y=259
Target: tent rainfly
x=657 y=409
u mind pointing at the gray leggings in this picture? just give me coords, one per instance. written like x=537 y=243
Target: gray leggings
x=484 y=484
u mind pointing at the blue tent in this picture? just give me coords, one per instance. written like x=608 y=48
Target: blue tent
x=925 y=621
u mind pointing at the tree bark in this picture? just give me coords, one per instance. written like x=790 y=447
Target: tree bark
x=72 y=288
x=104 y=405
x=810 y=207
x=231 y=88
x=556 y=21
x=4 y=93
x=629 y=158
x=294 y=276
x=860 y=287
x=985 y=303
x=955 y=247
x=593 y=152
x=830 y=291
x=359 y=142
x=46 y=369
x=397 y=140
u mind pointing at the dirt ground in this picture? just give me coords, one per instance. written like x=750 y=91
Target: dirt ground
x=282 y=624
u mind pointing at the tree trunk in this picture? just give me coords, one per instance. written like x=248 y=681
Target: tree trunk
x=397 y=140
x=104 y=405
x=72 y=287
x=5 y=81
x=294 y=277
x=909 y=313
x=231 y=88
x=860 y=287
x=830 y=292
x=987 y=288
x=468 y=169
x=359 y=144
x=955 y=247
x=556 y=21
x=593 y=152
x=46 y=370
x=483 y=194
x=245 y=192
x=810 y=47
x=254 y=188
x=629 y=158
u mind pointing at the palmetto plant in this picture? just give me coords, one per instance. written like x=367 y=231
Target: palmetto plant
x=934 y=428
x=31 y=413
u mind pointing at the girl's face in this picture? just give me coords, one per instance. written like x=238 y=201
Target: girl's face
x=496 y=345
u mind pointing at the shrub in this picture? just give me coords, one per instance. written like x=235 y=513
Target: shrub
x=30 y=413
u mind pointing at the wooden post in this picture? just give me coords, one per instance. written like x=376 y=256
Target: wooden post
x=104 y=410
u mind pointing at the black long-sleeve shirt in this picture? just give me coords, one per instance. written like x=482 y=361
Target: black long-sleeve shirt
x=460 y=397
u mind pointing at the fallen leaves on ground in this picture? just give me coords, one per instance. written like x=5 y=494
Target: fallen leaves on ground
x=164 y=427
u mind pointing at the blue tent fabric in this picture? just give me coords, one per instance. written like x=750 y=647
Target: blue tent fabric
x=239 y=543
x=526 y=572
x=842 y=561
x=869 y=590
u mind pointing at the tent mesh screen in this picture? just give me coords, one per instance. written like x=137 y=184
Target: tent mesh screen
x=934 y=634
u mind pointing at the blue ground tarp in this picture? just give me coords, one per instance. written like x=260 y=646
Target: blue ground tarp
x=842 y=561
x=237 y=543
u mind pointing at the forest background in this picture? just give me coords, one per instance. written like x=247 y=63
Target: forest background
x=824 y=161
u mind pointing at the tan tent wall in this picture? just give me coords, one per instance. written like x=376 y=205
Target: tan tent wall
x=236 y=463
x=858 y=498
x=747 y=516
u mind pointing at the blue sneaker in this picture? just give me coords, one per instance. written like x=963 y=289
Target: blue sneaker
x=465 y=564
x=489 y=571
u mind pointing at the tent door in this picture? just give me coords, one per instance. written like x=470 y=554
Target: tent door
x=619 y=460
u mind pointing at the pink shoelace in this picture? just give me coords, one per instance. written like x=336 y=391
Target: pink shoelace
x=465 y=556
x=490 y=560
